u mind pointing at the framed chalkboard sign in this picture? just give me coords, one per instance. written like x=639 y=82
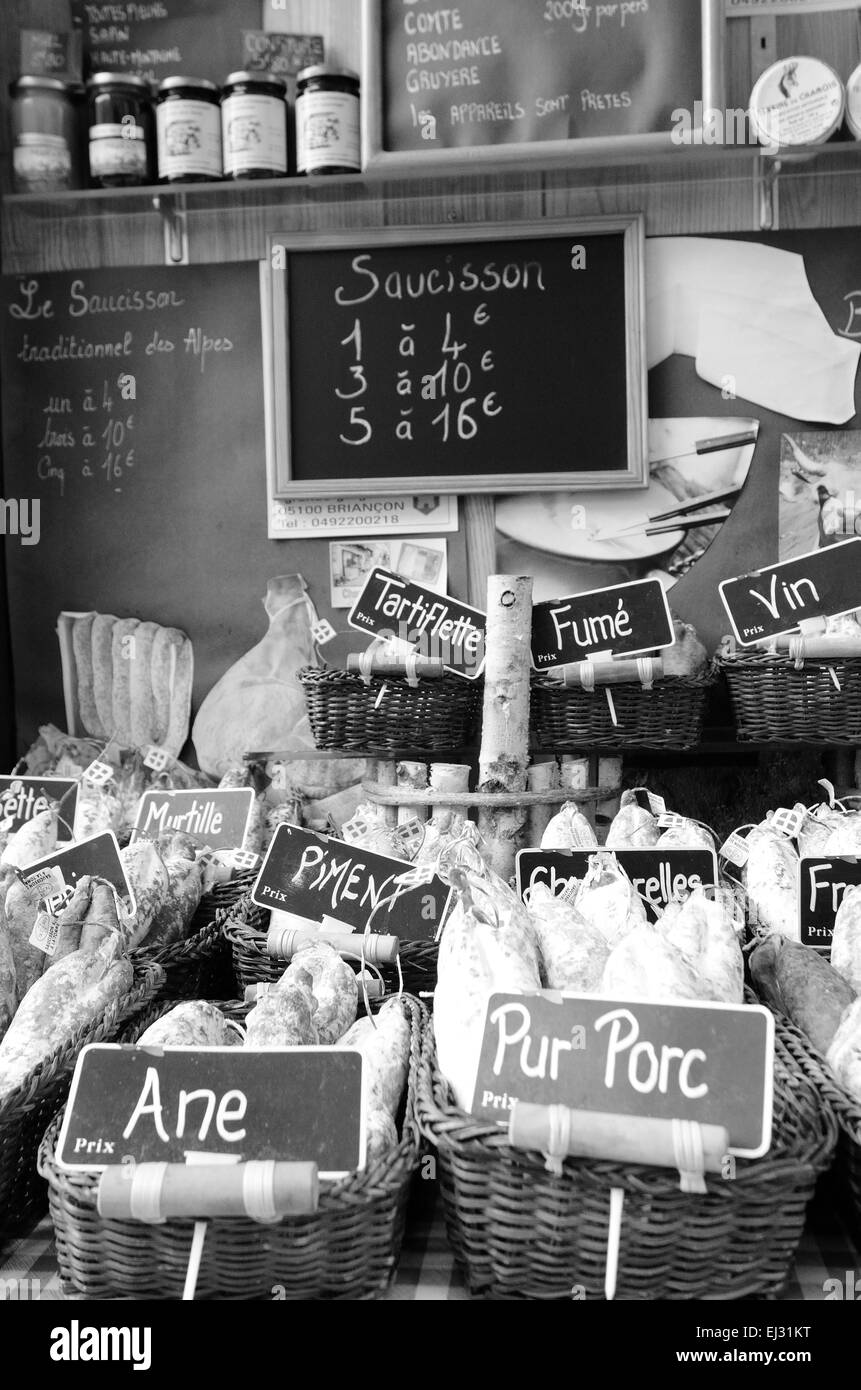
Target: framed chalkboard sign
x=457 y=359
x=481 y=80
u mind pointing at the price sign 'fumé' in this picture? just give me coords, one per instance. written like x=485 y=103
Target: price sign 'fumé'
x=620 y=621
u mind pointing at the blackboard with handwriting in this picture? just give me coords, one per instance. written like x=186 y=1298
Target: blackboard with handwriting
x=161 y=38
x=456 y=359
x=133 y=433
x=499 y=73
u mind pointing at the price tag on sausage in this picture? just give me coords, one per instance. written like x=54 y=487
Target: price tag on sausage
x=157 y=759
x=622 y=620
x=98 y=857
x=98 y=774
x=622 y=1057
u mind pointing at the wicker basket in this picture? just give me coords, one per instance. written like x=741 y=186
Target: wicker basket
x=199 y=967
x=669 y=715
x=25 y=1113
x=388 y=714
x=776 y=702
x=522 y=1233
x=348 y=1249
x=245 y=927
x=845 y=1176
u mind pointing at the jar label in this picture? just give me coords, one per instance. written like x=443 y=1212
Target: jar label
x=327 y=130
x=189 y=139
x=254 y=130
x=42 y=163
x=117 y=149
x=797 y=103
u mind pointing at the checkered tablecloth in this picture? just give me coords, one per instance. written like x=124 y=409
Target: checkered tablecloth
x=427 y=1270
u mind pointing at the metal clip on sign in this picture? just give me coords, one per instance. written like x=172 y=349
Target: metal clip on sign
x=559 y=1132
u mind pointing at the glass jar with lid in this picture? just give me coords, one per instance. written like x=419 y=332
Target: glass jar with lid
x=188 y=130
x=46 y=135
x=121 y=130
x=327 y=120
x=254 y=126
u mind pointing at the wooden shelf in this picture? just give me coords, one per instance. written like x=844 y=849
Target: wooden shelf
x=736 y=189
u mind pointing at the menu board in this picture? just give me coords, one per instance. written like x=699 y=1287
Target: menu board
x=132 y=435
x=501 y=72
x=451 y=360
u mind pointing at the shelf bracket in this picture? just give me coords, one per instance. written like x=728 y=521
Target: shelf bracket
x=767 y=177
x=172 y=210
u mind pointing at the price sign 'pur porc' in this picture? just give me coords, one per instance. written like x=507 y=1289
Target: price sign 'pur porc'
x=708 y=1063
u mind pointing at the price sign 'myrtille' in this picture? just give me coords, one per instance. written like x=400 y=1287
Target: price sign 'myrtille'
x=435 y=625
x=218 y=818
x=622 y=620
x=777 y=599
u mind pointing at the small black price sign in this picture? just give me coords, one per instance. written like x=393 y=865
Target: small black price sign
x=218 y=819
x=658 y=875
x=436 y=626
x=822 y=881
x=711 y=1063
x=285 y=55
x=316 y=877
x=98 y=857
x=775 y=600
x=153 y=1105
x=622 y=620
x=22 y=798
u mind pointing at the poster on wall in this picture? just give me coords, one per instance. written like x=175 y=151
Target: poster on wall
x=350 y=562
x=753 y=353
x=820 y=490
x=573 y=542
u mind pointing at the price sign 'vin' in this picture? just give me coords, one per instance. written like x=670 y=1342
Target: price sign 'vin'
x=775 y=600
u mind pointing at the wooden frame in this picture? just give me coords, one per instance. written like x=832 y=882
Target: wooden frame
x=594 y=150
x=277 y=348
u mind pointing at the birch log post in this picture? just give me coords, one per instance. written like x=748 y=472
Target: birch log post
x=504 y=757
